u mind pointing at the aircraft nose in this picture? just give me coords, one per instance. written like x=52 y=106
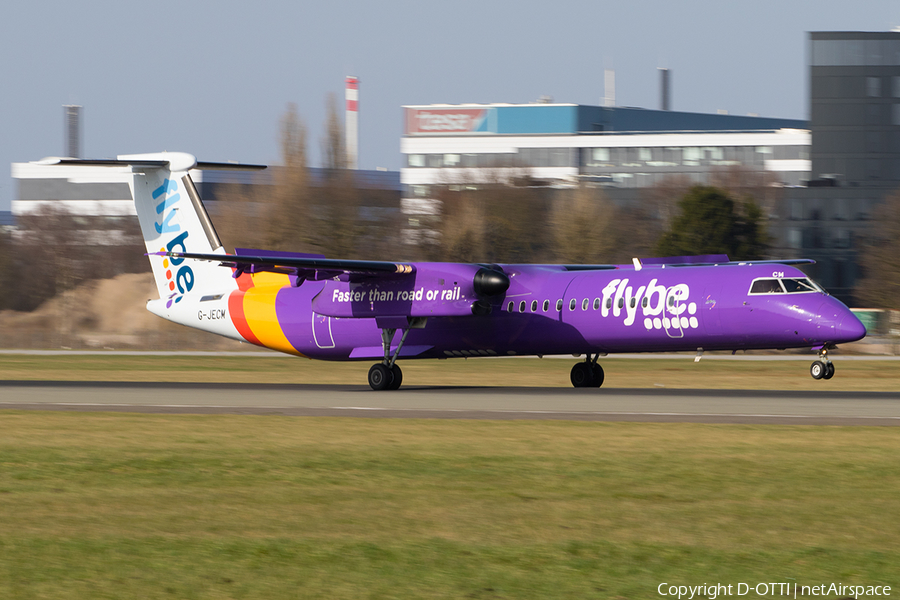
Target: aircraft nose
x=849 y=328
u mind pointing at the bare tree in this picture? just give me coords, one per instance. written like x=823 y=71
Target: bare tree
x=287 y=218
x=273 y=216
x=584 y=226
x=461 y=229
x=334 y=156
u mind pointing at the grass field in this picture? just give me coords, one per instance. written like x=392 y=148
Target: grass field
x=549 y=372
x=159 y=506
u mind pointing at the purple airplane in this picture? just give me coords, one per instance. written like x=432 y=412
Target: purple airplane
x=327 y=309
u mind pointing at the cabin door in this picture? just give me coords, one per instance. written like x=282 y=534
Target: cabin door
x=321 y=327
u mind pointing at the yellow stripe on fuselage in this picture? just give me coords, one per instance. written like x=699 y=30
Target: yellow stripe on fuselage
x=259 y=310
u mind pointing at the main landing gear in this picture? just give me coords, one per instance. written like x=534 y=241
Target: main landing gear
x=387 y=375
x=822 y=368
x=587 y=373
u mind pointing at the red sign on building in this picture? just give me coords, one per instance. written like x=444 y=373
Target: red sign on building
x=445 y=120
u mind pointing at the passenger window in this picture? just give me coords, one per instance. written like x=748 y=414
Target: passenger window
x=633 y=302
x=559 y=305
x=621 y=302
x=644 y=302
x=584 y=304
x=766 y=286
x=522 y=306
x=509 y=307
x=534 y=306
x=546 y=306
x=596 y=303
x=609 y=303
x=572 y=304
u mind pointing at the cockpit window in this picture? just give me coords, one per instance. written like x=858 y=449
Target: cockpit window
x=796 y=286
x=766 y=286
x=792 y=285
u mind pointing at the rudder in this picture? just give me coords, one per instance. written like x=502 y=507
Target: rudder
x=173 y=219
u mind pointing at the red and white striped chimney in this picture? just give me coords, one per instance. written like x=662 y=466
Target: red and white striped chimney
x=351 y=126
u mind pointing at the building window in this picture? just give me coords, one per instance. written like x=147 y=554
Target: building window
x=560 y=157
x=873 y=87
x=763 y=153
x=469 y=160
x=692 y=157
x=451 y=160
x=842 y=238
x=597 y=157
x=415 y=160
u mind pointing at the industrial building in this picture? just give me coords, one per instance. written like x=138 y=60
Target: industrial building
x=564 y=144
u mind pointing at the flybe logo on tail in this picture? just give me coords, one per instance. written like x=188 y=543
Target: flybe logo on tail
x=180 y=280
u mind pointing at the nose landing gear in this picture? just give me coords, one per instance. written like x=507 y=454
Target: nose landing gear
x=587 y=373
x=822 y=368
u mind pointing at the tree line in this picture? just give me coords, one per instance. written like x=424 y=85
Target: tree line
x=505 y=218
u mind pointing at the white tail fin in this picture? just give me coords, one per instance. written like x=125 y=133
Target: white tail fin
x=173 y=218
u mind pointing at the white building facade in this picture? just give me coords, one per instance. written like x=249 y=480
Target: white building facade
x=564 y=144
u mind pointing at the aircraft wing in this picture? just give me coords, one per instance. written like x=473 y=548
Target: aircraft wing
x=311 y=268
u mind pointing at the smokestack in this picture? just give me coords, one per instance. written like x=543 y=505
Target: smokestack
x=664 y=85
x=352 y=122
x=609 y=87
x=73 y=131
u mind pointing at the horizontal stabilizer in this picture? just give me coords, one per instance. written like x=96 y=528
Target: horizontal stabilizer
x=148 y=161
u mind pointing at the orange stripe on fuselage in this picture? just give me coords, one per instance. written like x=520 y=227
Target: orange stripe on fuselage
x=258 y=303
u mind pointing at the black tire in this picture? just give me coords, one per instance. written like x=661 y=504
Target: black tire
x=598 y=376
x=397 y=377
x=581 y=375
x=380 y=377
x=829 y=371
x=818 y=369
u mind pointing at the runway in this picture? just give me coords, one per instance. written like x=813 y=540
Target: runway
x=638 y=405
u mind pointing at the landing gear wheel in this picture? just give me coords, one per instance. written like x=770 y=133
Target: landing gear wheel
x=397 y=377
x=380 y=377
x=597 y=372
x=581 y=375
x=829 y=371
x=818 y=369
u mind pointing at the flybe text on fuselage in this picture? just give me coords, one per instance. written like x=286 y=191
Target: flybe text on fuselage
x=658 y=305
x=180 y=280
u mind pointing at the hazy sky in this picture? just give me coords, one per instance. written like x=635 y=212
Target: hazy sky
x=213 y=78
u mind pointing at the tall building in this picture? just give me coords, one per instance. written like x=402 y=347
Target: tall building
x=855 y=107
x=855 y=154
